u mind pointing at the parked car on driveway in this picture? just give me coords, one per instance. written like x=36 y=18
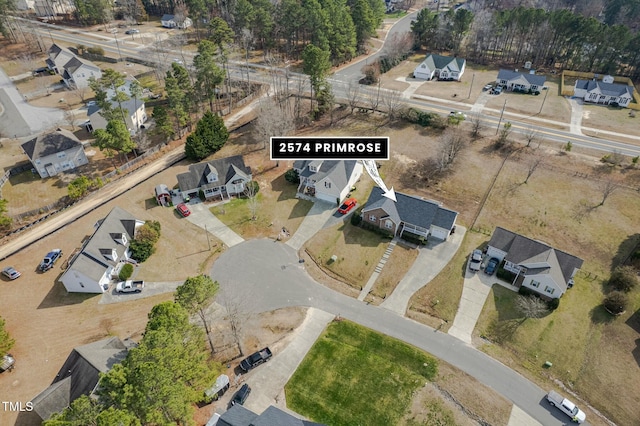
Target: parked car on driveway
x=11 y=273
x=183 y=209
x=491 y=266
x=347 y=206
x=476 y=260
x=241 y=396
x=487 y=87
x=132 y=31
x=51 y=258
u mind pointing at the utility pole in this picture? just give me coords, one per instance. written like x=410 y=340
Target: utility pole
x=114 y=32
x=501 y=114
x=545 y=98
x=207 y=232
x=471 y=87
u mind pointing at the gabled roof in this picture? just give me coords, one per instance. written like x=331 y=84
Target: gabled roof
x=441 y=62
x=537 y=80
x=129 y=105
x=338 y=172
x=167 y=17
x=522 y=250
x=79 y=375
x=91 y=261
x=50 y=143
x=412 y=210
x=56 y=49
x=238 y=415
x=608 y=89
x=196 y=177
x=75 y=63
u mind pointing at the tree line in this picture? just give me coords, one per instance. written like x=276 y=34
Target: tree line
x=549 y=38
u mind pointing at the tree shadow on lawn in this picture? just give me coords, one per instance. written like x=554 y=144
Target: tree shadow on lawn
x=625 y=251
x=599 y=315
x=361 y=237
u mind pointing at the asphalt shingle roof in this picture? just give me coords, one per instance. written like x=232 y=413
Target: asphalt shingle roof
x=608 y=89
x=226 y=168
x=238 y=415
x=50 y=143
x=523 y=250
x=532 y=79
x=91 y=260
x=338 y=171
x=412 y=210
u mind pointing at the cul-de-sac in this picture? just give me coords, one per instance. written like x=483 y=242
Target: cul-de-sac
x=319 y=212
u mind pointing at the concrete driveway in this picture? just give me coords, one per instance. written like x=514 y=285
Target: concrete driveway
x=17 y=117
x=312 y=223
x=430 y=261
x=201 y=216
x=475 y=290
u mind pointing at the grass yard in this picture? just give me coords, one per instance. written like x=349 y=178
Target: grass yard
x=358 y=252
x=394 y=270
x=22 y=191
x=354 y=376
x=601 y=117
x=278 y=208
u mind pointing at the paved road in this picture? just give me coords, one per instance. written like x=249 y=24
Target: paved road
x=274 y=278
x=17 y=117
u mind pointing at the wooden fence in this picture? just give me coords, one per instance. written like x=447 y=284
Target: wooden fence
x=568 y=91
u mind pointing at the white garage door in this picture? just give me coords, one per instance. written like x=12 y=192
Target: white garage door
x=439 y=233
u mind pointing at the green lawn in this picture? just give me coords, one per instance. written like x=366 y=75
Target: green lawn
x=355 y=376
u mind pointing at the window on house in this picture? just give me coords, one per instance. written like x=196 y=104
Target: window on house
x=535 y=284
x=388 y=224
x=62 y=154
x=549 y=290
x=327 y=184
x=372 y=218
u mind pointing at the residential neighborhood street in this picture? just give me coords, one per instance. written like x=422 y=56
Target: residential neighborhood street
x=271 y=277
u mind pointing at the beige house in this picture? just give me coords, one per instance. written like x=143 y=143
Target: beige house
x=55 y=152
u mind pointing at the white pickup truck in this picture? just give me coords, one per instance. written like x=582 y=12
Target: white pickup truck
x=130 y=286
x=566 y=406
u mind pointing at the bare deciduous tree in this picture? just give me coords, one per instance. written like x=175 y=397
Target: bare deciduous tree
x=451 y=143
x=531 y=306
x=392 y=100
x=251 y=192
x=398 y=45
x=476 y=125
x=273 y=120
x=237 y=315
x=70 y=117
x=608 y=187
x=533 y=163
x=354 y=95
x=373 y=98
x=531 y=135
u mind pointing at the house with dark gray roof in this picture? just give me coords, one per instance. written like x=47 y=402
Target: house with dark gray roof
x=536 y=265
x=58 y=57
x=238 y=415
x=520 y=82
x=78 y=71
x=134 y=111
x=94 y=267
x=440 y=67
x=173 y=21
x=409 y=214
x=599 y=92
x=80 y=374
x=219 y=178
x=55 y=152
x=327 y=180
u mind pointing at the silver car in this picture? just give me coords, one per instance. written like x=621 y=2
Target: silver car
x=475 y=261
x=11 y=273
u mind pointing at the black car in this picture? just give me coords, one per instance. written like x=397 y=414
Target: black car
x=241 y=396
x=491 y=266
x=50 y=259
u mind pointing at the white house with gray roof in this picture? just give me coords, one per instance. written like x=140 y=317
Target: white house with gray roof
x=78 y=71
x=238 y=415
x=599 y=92
x=536 y=265
x=413 y=215
x=102 y=256
x=440 y=67
x=327 y=180
x=135 y=115
x=220 y=178
x=55 y=152
x=58 y=57
x=520 y=82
